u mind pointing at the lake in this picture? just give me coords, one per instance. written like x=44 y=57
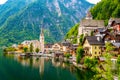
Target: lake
x=13 y=67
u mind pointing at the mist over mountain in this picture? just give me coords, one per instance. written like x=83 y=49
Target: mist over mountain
x=22 y=19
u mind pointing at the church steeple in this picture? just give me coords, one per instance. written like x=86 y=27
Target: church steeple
x=89 y=15
x=42 y=40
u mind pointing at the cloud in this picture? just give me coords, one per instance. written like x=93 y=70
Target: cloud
x=2 y=1
x=93 y=1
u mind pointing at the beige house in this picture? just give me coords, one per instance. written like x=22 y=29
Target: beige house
x=89 y=24
x=93 y=46
x=57 y=47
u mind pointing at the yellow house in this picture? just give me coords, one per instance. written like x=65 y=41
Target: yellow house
x=92 y=46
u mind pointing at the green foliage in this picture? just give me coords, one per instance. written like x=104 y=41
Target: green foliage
x=21 y=20
x=109 y=47
x=90 y=63
x=9 y=49
x=108 y=66
x=72 y=34
x=80 y=54
x=31 y=47
x=25 y=49
x=67 y=55
x=118 y=59
x=92 y=33
x=37 y=50
x=81 y=38
x=106 y=9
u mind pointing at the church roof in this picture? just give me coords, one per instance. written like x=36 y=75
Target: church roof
x=92 y=23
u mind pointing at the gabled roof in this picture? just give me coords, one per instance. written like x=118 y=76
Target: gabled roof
x=48 y=45
x=92 y=23
x=94 y=40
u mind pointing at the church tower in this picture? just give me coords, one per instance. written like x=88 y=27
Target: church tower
x=42 y=41
x=89 y=15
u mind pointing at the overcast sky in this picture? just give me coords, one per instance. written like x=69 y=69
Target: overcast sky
x=91 y=1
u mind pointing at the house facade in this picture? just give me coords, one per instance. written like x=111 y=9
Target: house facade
x=92 y=46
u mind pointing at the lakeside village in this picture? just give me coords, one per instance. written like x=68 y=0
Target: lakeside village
x=97 y=45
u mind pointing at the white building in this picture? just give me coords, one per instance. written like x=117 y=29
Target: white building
x=89 y=24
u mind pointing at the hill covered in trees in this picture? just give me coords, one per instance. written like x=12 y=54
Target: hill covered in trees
x=72 y=33
x=106 y=9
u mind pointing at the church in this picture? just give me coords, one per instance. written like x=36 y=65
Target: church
x=36 y=43
x=89 y=24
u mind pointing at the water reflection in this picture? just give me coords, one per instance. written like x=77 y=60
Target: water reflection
x=53 y=69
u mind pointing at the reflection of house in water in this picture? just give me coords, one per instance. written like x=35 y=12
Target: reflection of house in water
x=58 y=63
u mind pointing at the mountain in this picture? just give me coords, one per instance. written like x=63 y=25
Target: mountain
x=106 y=9
x=21 y=19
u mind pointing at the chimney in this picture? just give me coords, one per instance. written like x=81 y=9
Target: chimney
x=98 y=38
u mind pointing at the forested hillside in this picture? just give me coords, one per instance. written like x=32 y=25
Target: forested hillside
x=21 y=20
x=106 y=9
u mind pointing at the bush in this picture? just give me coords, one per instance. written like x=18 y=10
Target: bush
x=90 y=62
x=80 y=54
x=25 y=49
x=67 y=55
x=37 y=50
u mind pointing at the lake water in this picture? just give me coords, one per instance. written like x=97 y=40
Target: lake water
x=15 y=68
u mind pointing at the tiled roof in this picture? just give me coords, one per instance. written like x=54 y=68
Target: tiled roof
x=94 y=40
x=117 y=20
x=116 y=44
x=92 y=23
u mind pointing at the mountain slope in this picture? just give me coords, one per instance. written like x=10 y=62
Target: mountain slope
x=56 y=16
x=11 y=7
x=106 y=9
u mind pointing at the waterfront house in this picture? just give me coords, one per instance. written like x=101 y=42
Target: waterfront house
x=57 y=47
x=48 y=48
x=92 y=46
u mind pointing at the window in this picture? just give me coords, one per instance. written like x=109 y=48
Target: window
x=99 y=52
x=95 y=47
x=95 y=52
x=99 y=47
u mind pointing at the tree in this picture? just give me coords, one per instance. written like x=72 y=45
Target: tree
x=67 y=55
x=108 y=67
x=25 y=49
x=109 y=47
x=80 y=54
x=90 y=63
x=92 y=33
x=118 y=67
x=31 y=47
x=81 y=38
x=37 y=50
x=118 y=59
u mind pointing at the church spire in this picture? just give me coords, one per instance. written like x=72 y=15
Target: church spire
x=89 y=15
x=42 y=40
